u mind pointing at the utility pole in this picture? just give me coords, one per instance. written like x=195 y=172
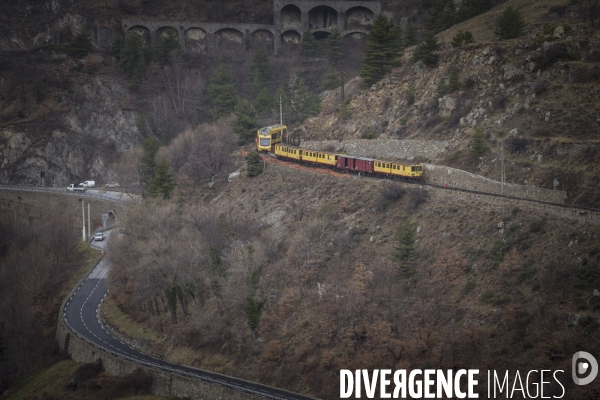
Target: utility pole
x=82 y=219
x=342 y=88
x=502 y=168
x=280 y=112
x=89 y=225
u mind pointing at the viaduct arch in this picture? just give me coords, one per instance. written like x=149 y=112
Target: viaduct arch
x=291 y=18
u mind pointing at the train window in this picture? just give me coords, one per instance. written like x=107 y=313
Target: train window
x=412 y=169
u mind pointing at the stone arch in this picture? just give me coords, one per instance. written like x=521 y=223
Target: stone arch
x=356 y=35
x=166 y=30
x=195 y=40
x=359 y=18
x=290 y=37
x=140 y=30
x=321 y=34
x=112 y=217
x=322 y=17
x=228 y=37
x=291 y=17
x=263 y=38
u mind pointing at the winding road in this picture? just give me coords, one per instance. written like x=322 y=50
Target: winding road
x=81 y=314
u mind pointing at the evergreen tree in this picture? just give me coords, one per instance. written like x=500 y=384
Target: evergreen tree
x=164 y=46
x=163 y=183
x=303 y=103
x=259 y=68
x=332 y=79
x=244 y=124
x=264 y=102
x=468 y=37
x=510 y=24
x=427 y=51
x=133 y=58
x=382 y=51
x=403 y=253
x=441 y=89
x=117 y=46
x=472 y=8
x=453 y=81
x=478 y=146
x=222 y=92
x=81 y=45
x=335 y=47
x=409 y=38
x=308 y=45
x=150 y=147
x=254 y=166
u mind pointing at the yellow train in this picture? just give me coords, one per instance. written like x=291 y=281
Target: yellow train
x=361 y=165
x=269 y=136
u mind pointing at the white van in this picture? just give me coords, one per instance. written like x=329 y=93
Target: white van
x=88 y=184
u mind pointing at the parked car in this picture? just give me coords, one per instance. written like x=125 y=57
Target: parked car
x=88 y=184
x=99 y=236
x=112 y=185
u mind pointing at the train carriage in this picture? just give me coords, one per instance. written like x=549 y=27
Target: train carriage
x=288 y=152
x=383 y=167
x=326 y=158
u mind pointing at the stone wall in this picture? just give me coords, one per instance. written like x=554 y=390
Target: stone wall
x=163 y=384
x=392 y=150
x=438 y=174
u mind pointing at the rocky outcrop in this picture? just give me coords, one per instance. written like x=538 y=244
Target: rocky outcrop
x=79 y=145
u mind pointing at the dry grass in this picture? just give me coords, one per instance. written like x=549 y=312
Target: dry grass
x=117 y=318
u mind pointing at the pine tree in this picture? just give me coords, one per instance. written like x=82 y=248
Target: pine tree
x=264 y=102
x=468 y=37
x=222 y=92
x=382 y=51
x=332 y=79
x=165 y=45
x=133 y=58
x=510 y=24
x=478 y=146
x=308 y=45
x=260 y=66
x=244 y=124
x=117 y=46
x=254 y=166
x=403 y=253
x=427 y=51
x=409 y=37
x=303 y=103
x=81 y=45
x=453 y=81
x=150 y=147
x=163 y=183
x=335 y=47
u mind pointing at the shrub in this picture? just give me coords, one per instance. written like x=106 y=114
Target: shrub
x=462 y=37
x=415 y=198
x=510 y=24
x=537 y=225
x=410 y=96
x=491 y=298
x=540 y=87
x=369 y=135
x=254 y=164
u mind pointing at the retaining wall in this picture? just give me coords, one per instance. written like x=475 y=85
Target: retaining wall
x=457 y=178
x=163 y=383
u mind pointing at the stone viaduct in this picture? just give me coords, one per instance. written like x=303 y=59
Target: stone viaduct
x=291 y=19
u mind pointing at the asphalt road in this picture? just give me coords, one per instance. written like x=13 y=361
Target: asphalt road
x=82 y=314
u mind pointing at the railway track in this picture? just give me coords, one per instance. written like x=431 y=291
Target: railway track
x=583 y=214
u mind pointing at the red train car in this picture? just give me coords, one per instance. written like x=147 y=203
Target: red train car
x=346 y=162
x=364 y=165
